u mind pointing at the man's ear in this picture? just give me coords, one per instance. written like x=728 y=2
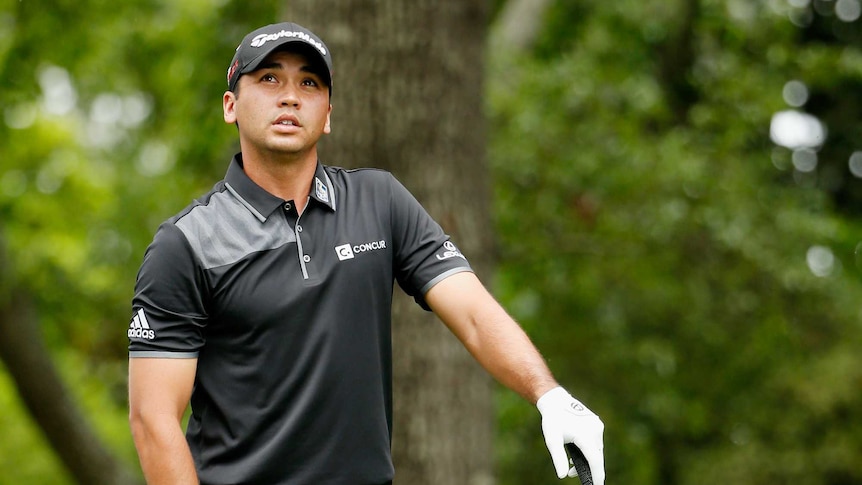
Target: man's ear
x=228 y=102
x=326 y=128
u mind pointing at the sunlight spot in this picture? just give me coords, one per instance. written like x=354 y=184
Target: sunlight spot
x=795 y=93
x=20 y=116
x=104 y=135
x=801 y=17
x=156 y=158
x=136 y=109
x=58 y=95
x=848 y=10
x=794 y=129
x=855 y=164
x=804 y=160
x=107 y=108
x=820 y=260
x=742 y=11
x=54 y=171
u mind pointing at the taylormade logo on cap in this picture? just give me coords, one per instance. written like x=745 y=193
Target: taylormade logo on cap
x=262 y=39
x=259 y=43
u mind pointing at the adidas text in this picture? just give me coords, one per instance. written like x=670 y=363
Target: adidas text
x=140 y=327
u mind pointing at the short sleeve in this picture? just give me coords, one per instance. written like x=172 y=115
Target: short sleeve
x=168 y=308
x=424 y=254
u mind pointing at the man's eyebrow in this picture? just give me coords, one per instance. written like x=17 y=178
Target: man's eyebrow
x=271 y=65
x=277 y=65
x=310 y=69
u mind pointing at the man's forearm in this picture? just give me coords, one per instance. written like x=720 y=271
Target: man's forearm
x=503 y=348
x=506 y=352
x=164 y=453
x=494 y=339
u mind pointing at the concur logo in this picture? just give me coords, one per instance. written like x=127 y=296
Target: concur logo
x=349 y=251
x=344 y=252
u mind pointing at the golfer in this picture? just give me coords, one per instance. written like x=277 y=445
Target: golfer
x=266 y=303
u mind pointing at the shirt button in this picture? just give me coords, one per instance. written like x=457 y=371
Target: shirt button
x=298 y=228
x=306 y=258
x=287 y=206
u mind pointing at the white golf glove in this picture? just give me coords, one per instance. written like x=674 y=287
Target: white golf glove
x=566 y=420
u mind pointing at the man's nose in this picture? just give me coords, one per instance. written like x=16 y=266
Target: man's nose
x=288 y=97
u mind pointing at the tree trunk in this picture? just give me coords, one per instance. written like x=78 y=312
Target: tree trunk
x=407 y=97
x=42 y=390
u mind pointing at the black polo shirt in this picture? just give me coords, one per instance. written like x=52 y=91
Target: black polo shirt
x=289 y=317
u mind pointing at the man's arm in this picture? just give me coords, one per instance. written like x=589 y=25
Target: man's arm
x=159 y=391
x=506 y=352
x=494 y=339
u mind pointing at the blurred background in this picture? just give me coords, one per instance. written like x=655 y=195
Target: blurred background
x=675 y=195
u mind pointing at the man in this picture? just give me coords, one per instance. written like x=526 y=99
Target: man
x=266 y=303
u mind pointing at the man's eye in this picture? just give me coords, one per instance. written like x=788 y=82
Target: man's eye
x=267 y=78
x=309 y=82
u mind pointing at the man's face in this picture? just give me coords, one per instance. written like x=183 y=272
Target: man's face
x=282 y=108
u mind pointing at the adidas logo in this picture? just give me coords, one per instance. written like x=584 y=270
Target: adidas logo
x=140 y=327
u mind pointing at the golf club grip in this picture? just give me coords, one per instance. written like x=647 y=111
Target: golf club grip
x=581 y=464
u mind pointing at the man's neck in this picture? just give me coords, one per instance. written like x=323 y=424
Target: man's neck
x=284 y=177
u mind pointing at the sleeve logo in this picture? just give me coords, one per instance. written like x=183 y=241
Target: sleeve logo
x=140 y=327
x=450 y=251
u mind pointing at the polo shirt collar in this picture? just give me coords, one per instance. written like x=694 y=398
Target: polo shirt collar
x=322 y=189
x=260 y=202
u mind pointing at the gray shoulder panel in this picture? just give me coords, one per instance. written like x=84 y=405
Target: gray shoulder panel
x=224 y=231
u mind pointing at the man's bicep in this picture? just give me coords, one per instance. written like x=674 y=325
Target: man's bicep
x=497 y=342
x=456 y=291
x=159 y=386
x=462 y=301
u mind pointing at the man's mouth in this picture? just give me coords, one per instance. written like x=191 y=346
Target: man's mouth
x=287 y=120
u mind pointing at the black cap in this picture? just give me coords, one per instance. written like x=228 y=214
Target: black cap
x=258 y=44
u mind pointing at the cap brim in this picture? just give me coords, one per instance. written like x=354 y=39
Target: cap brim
x=307 y=50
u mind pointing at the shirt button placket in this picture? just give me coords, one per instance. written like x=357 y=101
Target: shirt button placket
x=293 y=220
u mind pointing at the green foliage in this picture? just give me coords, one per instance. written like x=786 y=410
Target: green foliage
x=109 y=123
x=25 y=456
x=670 y=263
x=655 y=244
